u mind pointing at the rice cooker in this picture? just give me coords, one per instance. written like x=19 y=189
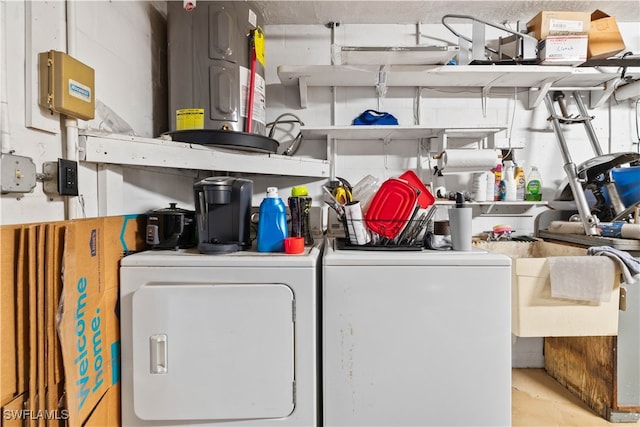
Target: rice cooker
x=171 y=228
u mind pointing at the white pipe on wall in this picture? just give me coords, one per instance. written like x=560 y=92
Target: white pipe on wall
x=73 y=207
x=5 y=134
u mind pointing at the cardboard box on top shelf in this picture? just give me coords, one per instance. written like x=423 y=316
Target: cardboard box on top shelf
x=563 y=50
x=605 y=39
x=88 y=325
x=558 y=23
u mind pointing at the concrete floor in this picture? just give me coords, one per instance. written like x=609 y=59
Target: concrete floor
x=539 y=400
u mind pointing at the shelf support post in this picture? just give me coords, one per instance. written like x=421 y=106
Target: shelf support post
x=597 y=99
x=302 y=86
x=537 y=94
x=485 y=95
x=332 y=157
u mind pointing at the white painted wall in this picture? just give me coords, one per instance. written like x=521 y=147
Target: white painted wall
x=527 y=129
x=125 y=42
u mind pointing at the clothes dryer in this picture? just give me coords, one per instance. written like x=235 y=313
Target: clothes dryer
x=220 y=340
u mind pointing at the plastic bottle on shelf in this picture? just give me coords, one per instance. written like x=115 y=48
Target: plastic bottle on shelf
x=521 y=183
x=533 y=191
x=491 y=186
x=300 y=205
x=272 y=223
x=479 y=190
x=509 y=179
x=497 y=173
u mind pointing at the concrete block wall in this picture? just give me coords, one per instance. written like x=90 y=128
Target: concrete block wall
x=125 y=42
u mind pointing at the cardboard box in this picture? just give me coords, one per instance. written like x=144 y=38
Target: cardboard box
x=534 y=313
x=31 y=260
x=563 y=50
x=548 y=23
x=62 y=371
x=107 y=412
x=88 y=324
x=605 y=39
x=11 y=345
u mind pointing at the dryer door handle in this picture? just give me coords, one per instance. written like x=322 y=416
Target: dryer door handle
x=158 y=353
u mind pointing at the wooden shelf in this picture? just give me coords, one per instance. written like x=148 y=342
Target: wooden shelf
x=131 y=150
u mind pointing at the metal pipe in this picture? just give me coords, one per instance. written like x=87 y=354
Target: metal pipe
x=593 y=138
x=73 y=207
x=589 y=221
x=5 y=134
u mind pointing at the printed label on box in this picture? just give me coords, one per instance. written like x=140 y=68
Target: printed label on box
x=565 y=25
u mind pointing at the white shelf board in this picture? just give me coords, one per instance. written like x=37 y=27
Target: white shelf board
x=538 y=78
x=499 y=208
x=132 y=150
x=393 y=132
x=426 y=75
x=416 y=55
x=495 y=203
x=368 y=132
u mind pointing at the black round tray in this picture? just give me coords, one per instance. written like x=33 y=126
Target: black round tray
x=226 y=138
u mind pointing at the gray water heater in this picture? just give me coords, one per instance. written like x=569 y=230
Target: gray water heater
x=210 y=62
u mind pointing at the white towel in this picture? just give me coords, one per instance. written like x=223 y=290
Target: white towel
x=628 y=265
x=582 y=278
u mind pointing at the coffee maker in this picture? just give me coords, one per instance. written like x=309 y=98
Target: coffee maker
x=223 y=214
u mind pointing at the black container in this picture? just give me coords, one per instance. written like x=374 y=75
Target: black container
x=223 y=214
x=300 y=222
x=171 y=228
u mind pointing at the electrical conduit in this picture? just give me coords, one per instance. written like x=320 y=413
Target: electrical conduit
x=71 y=124
x=5 y=135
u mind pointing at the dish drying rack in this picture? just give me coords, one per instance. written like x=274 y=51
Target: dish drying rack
x=410 y=236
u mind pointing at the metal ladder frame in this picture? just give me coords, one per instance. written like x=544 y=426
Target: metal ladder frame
x=589 y=221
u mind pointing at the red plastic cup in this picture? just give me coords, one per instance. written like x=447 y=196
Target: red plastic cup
x=294 y=245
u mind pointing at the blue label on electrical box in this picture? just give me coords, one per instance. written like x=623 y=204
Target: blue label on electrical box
x=80 y=91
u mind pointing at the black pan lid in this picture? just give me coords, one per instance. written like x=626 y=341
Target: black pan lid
x=227 y=139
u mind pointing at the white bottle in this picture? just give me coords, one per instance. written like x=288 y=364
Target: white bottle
x=510 y=184
x=479 y=192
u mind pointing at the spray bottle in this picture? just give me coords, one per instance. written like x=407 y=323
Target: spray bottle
x=509 y=178
x=521 y=183
x=497 y=172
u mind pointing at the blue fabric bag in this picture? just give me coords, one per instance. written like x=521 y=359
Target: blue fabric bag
x=373 y=117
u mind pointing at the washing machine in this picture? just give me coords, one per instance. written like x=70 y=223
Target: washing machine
x=220 y=340
x=416 y=337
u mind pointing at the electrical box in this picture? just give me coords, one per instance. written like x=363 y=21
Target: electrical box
x=66 y=85
x=17 y=174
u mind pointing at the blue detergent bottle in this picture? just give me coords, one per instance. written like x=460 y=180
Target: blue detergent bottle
x=272 y=223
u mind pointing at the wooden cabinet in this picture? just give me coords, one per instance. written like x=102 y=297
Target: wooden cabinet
x=587 y=366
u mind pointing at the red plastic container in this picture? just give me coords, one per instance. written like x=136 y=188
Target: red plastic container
x=425 y=199
x=294 y=245
x=391 y=207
